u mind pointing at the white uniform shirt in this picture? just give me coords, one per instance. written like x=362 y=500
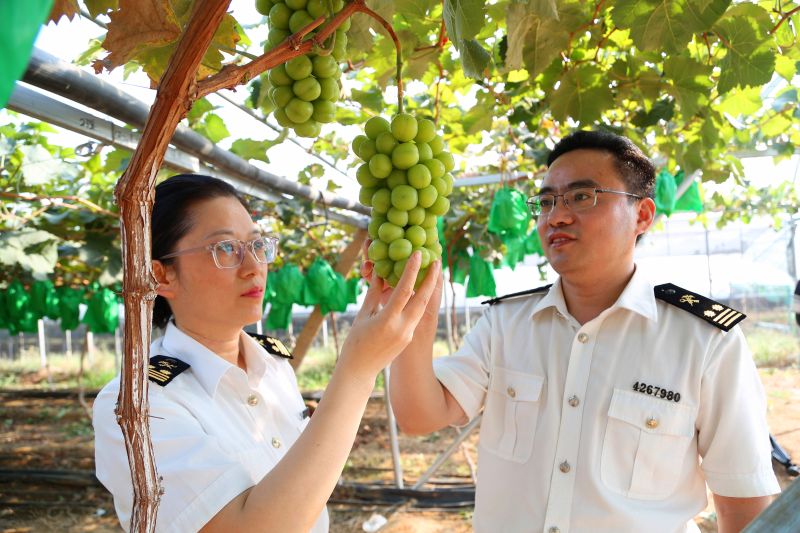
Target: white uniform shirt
x=216 y=431
x=568 y=445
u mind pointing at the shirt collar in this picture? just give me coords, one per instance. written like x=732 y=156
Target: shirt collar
x=637 y=296
x=207 y=365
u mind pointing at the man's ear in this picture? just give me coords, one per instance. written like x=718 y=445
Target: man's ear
x=645 y=215
x=166 y=279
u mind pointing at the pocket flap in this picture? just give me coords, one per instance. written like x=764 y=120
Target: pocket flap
x=519 y=386
x=651 y=414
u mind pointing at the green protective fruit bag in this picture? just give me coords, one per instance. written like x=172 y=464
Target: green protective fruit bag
x=280 y=315
x=515 y=251
x=69 y=307
x=269 y=291
x=320 y=280
x=336 y=299
x=481 y=278
x=533 y=245
x=44 y=300
x=691 y=200
x=665 y=192
x=288 y=285
x=21 y=23
x=353 y=290
x=21 y=317
x=3 y=312
x=509 y=214
x=102 y=311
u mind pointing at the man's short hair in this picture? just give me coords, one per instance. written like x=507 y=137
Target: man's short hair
x=635 y=168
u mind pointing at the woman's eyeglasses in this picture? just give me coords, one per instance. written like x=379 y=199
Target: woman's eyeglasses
x=230 y=252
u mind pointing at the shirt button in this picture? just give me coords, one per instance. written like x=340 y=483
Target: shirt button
x=573 y=401
x=511 y=392
x=564 y=467
x=582 y=338
x=252 y=400
x=276 y=443
x=652 y=423
x=553 y=529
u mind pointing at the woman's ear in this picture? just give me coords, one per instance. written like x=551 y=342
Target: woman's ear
x=166 y=279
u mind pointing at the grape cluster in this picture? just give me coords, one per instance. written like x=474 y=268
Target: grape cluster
x=304 y=89
x=406 y=180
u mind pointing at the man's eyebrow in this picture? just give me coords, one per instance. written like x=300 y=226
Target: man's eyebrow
x=573 y=185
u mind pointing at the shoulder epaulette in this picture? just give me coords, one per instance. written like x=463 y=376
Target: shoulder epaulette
x=498 y=299
x=716 y=314
x=163 y=369
x=272 y=345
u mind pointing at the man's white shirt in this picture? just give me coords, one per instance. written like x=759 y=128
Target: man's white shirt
x=577 y=435
x=216 y=431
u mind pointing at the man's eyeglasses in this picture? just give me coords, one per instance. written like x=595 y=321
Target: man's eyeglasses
x=230 y=253
x=578 y=199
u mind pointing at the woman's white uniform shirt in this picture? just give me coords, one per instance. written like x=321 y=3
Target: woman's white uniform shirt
x=216 y=431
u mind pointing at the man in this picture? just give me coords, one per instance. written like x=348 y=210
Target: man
x=600 y=395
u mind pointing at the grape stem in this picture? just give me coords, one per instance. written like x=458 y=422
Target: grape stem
x=293 y=46
x=388 y=27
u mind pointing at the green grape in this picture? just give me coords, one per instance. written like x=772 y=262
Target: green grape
x=282 y=95
x=366 y=150
x=440 y=206
x=282 y=118
x=325 y=67
x=365 y=177
x=416 y=216
x=378 y=250
x=381 y=201
x=365 y=198
x=310 y=128
x=330 y=89
x=392 y=279
x=435 y=167
x=397 y=177
x=440 y=185
x=324 y=111
x=399 y=249
x=405 y=155
x=278 y=77
x=296 y=4
x=429 y=221
x=299 y=68
x=385 y=143
x=404 y=197
x=263 y=6
x=357 y=143
x=299 y=20
x=397 y=217
x=307 y=89
x=399 y=266
x=419 y=176
x=426 y=131
x=380 y=165
x=375 y=126
x=404 y=127
x=427 y=195
x=316 y=8
x=389 y=232
x=384 y=267
x=436 y=144
x=416 y=235
x=425 y=153
x=376 y=221
x=425 y=256
x=275 y=37
x=431 y=236
x=279 y=16
x=447 y=159
x=298 y=110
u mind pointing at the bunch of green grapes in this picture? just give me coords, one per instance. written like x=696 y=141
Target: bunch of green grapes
x=304 y=89
x=406 y=180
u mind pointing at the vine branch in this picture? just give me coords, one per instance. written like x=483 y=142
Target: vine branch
x=783 y=19
x=57 y=201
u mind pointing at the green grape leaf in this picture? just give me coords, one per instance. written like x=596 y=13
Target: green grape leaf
x=744 y=33
x=100 y=7
x=543 y=43
x=463 y=19
x=786 y=67
x=691 y=82
x=741 y=102
x=252 y=149
x=414 y=9
x=668 y=26
x=370 y=99
x=33 y=250
x=544 y=9
x=38 y=165
x=474 y=58
x=583 y=94
x=213 y=128
x=199 y=108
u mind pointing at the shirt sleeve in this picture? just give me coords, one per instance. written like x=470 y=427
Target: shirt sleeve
x=466 y=372
x=733 y=438
x=198 y=476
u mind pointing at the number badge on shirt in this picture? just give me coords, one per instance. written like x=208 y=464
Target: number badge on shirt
x=658 y=392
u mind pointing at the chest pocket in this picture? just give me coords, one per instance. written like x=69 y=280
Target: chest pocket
x=511 y=414
x=645 y=444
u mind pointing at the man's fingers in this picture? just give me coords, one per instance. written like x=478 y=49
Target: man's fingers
x=419 y=303
x=405 y=287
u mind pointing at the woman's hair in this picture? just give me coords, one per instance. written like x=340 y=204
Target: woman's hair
x=172 y=220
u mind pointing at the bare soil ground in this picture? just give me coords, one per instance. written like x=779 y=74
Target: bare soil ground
x=46 y=435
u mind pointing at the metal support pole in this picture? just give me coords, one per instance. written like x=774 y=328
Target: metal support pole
x=445 y=455
x=68 y=335
x=42 y=347
x=398 y=467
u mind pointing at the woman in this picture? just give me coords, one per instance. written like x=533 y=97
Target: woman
x=232 y=442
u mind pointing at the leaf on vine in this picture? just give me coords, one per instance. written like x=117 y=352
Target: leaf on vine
x=583 y=94
x=252 y=149
x=474 y=58
x=544 y=42
x=749 y=60
x=463 y=19
x=544 y=9
x=370 y=99
x=33 y=250
x=414 y=9
x=213 y=128
x=786 y=67
x=64 y=8
x=199 y=108
x=691 y=83
x=100 y=7
x=39 y=166
x=668 y=26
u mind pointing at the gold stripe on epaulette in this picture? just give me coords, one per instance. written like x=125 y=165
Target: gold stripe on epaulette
x=156 y=376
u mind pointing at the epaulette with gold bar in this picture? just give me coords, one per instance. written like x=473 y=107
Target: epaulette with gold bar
x=715 y=313
x=272 y=345
x=163 y=369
